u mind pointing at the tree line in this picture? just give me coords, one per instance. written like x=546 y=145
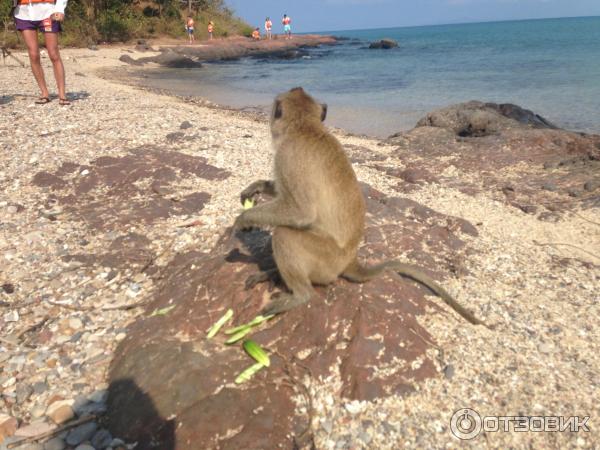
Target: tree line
x=97 y=21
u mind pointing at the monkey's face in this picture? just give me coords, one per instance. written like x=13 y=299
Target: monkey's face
x=295 y=106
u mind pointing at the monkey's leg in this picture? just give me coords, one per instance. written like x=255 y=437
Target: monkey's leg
x=358 y=273
x=302 y=258
x=258 y=187
x=261 y=277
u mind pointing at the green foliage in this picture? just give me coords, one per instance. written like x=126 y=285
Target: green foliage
x=95 y=21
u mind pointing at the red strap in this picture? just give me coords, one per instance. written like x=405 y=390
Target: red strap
x=26 y=2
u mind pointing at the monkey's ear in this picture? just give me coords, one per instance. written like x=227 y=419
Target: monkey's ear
x=277 y=111
x=323 y=112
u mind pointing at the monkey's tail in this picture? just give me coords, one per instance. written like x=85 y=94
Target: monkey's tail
x=357 y=272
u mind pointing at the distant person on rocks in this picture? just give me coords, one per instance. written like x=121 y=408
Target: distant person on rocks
x=189 y=26
x=256 y=34
x=287 y=28
x=210 y=30
x=45 y=16
x=268 y=28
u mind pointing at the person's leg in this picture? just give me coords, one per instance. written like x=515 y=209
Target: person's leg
x=54 y=55
x=30 y=38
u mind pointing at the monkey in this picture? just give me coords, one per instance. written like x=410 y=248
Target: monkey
x=317 y=210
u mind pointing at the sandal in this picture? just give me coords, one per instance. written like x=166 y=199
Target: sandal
x=42 y=101
x=64 y=102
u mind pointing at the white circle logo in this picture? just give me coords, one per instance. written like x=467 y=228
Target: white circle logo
x=465 y=424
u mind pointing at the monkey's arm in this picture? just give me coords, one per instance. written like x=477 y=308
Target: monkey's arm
x=276 y=213
x=258 y=187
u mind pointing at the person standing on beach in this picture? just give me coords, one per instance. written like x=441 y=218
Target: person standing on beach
x=287 y=29
x=268 y=28
x=210 y=30
x=45 y=16
x=189 y=26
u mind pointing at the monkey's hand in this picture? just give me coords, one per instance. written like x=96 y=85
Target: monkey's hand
x=243 y=222
x=256 y=188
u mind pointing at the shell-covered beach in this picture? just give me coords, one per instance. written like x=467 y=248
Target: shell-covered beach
x=105 y=204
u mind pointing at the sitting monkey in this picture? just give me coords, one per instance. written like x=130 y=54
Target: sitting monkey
x=317 y=211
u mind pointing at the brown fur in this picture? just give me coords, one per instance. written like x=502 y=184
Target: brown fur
x=318 y=210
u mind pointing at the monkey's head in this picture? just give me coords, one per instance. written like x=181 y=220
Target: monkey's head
x=295 y=107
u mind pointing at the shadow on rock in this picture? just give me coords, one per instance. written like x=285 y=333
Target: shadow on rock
x=152 y=430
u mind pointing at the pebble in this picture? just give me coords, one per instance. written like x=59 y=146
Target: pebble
x=84 y=447
x=449 y=371
x=8 y=426
x=101 y=439
x=11 y=316
x=31 y=446
x=354 y=407
x=81 y=433
x=545 y=348
x=39 y=387
x=60 y=411
x=55 y=443
x=12 y=209
x=23 y=392
x=327 y=425
x=75 y=323
x=34 y=428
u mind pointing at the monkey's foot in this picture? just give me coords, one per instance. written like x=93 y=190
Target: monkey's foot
x=271 y=275
x=282 y=303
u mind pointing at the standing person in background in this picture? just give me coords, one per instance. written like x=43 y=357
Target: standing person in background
x=268 y=28
x=189 y=26
x=46 y=16
x=287 y=29
x=210 y=30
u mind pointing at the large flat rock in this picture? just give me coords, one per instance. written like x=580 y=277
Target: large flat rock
x=171 y=385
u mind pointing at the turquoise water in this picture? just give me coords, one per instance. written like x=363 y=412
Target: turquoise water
x=549 y=66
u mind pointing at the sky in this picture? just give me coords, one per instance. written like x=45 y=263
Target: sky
x=333 y=15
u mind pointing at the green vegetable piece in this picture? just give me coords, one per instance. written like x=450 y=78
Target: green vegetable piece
x=254 y=322
x=212 y=331
x=256 y=351
x=239 y=335
x=248 y=373
x=162 y=311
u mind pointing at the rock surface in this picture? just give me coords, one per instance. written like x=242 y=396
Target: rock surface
x=368 y=327
x=384 y=44
x=488 y=140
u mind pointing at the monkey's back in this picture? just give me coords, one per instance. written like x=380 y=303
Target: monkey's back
x=313 y=171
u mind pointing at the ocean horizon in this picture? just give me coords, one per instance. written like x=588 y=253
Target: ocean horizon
x=551 y=66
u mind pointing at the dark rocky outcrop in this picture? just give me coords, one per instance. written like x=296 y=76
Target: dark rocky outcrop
x=357 y=331
x=548 y=167
x=234 y=48
x=384 y=44
x=481 y=119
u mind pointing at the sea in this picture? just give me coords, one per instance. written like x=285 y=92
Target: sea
x=550 y=66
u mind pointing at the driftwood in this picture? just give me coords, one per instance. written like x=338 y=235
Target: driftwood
x=51 y=433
